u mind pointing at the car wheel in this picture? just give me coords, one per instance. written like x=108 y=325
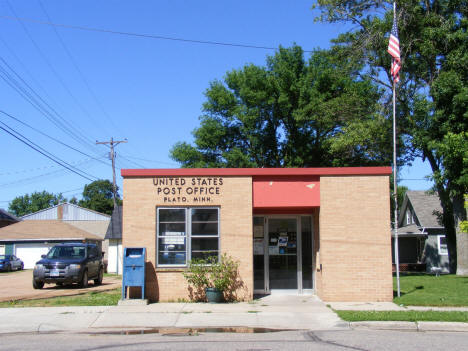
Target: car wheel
x=8 y=268
x=37 y=284
x=22 y=266
x=84 y=280
x=98 y=281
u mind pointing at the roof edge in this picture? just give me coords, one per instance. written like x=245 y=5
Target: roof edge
x=52 y=239
x=60 y=204
x=325 y=171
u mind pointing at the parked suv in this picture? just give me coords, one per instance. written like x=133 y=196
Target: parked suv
x=69 y=263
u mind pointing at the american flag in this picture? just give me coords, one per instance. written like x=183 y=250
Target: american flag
x=394 y=50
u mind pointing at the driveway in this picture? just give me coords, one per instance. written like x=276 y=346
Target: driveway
x=18 y=286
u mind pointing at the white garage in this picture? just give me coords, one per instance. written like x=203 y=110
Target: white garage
x=29 y=239
x=31 y=253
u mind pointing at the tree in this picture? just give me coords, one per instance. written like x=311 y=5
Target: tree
x=433 y=92
x=98 y=196
x=462 y=245
x=291 y=113
x=37 y=201
x=401 y=192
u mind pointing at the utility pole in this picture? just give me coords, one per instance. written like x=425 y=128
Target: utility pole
x=113 y=143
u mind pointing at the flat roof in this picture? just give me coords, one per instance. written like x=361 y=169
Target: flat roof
x=226 y=172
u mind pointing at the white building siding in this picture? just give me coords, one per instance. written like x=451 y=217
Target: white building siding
x=76 y=213
x=114 y=256
x=47 y=214
x=70 y=212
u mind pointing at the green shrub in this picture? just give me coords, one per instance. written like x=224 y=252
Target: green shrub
x=221 y=274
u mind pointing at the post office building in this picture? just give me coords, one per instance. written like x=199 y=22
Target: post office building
x=323 y=231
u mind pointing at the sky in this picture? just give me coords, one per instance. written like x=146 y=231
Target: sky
x=64 y=88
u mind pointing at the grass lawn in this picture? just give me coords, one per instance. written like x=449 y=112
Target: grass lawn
x=429 y=290
x=93 y=298
x=421 y=290
x=409 y=316
x=113 y=275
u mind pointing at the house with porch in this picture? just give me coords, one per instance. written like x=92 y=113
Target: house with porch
x=421 y=236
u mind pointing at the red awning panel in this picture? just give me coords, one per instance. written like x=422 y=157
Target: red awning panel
x=286 y=192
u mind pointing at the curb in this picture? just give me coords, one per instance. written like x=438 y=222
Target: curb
x=406 y=326
x=443 y=326
x=411 y=326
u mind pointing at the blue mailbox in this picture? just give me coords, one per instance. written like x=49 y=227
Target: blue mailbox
x=133 y=269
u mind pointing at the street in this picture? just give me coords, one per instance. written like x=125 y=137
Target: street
x=288 y=340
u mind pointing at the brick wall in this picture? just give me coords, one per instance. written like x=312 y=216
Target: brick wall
x=140 y=200
x=354 y=239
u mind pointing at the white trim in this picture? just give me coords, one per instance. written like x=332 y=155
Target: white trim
x=188 y=233
x=299 y=290
x=439 y=246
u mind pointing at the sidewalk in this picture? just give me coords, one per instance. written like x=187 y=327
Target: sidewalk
x=275 y=312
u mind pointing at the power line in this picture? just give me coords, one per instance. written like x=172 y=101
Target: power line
x=51 y=67
x=28 y=170
x=25 y=68
x=135 y=163
x=44 y=152
x=427 y=180
x=80 y=73
x=146 y=160
x=41 y=168
x=47 y=114
x=52 y=138
x=40 y=104
x=32 y=179
x=60 y=192
x=69 y=191
x=141 y=35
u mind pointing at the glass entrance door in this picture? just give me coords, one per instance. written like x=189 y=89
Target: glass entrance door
x=283 y=254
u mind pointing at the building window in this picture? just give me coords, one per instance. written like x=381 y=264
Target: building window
x=442 y=244
x=409 y=217
x=186 y=233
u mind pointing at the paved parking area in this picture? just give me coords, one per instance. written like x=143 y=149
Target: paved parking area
x=18 y=286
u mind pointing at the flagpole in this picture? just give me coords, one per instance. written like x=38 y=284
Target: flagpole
x=395 y=188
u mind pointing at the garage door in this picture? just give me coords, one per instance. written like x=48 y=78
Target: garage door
x=31 y=253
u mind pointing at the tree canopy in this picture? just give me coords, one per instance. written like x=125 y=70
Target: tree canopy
x=98 y=196
x=432 y=97
x=292 y=112
x=37 y=201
